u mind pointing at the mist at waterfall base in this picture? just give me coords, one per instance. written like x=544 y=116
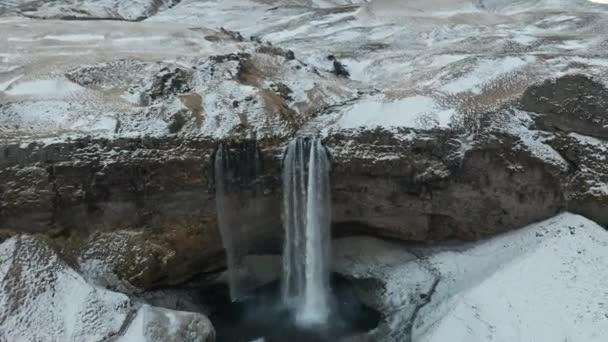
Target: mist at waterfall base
x=305 y=305
x=264 y=316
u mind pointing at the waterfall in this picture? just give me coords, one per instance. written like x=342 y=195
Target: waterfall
x=306 y=197
x=235 y=169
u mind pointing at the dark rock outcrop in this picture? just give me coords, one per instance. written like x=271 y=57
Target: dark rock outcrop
x=587 y=186
x=572 y=103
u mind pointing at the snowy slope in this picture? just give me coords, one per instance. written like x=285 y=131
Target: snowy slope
x=545 y=282
x=86 y=9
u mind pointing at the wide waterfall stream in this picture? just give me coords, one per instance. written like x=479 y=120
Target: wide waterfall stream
x=307 y=218
x=305 y=304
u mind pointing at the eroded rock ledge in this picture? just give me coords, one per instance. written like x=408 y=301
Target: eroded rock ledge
x=149 y=202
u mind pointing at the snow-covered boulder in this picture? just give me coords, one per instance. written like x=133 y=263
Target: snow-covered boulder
x=43 y=299
x=545 y=282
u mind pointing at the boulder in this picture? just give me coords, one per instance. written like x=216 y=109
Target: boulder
x=572 y=104
x=153 y=324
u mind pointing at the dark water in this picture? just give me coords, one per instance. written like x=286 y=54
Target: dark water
x=263 y=316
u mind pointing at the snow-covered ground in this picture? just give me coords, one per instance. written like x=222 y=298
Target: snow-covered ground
x=545 y=282
x=421 y=65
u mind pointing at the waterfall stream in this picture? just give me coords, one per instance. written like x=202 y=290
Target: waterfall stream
x=306 y=197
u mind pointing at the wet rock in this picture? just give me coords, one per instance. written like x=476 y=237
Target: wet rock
x=143 y=214
x=402 y=184
x=169 y=81
x=177 y=123
x=230 y=57
x=152 y=201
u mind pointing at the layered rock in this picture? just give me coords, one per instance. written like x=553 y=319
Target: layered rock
x=572 y=103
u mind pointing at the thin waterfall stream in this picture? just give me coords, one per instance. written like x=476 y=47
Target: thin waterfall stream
x=235 y=169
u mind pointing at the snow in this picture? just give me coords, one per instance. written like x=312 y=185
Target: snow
x=50 y=88
x=43 y=299
x=416 y=111
x=484 y=72
x=549 y=288
x=544 y=282
x=525 y=39
x=7 y=84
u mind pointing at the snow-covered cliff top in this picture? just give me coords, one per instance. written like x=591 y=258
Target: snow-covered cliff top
x=421 y=64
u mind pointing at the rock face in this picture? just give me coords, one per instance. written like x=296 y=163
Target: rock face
x=494 y=290
x=572 y=103
x=420 y=185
